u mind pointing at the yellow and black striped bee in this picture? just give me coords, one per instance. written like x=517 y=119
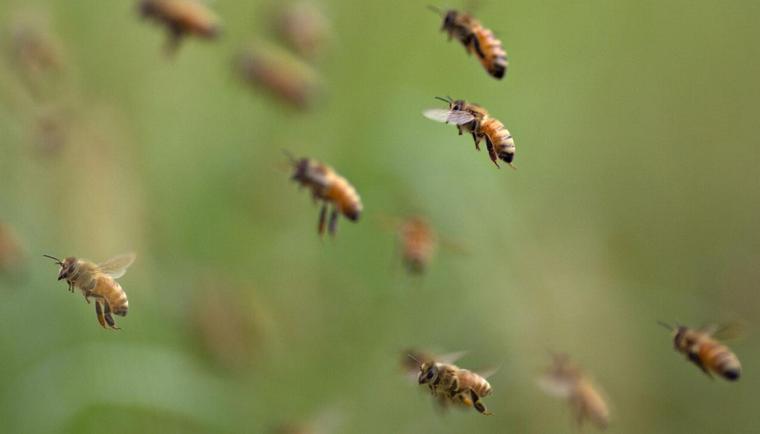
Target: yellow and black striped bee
x=98 y=281
x=330 y=188
x=181 y=17
x=474 y=119
x=476 y=39
x=450 y=383
x=703 y=349
x=565 y=380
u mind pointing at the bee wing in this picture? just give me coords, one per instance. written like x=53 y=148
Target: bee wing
x=727 y=331
x=553 y=386
x=450 y=357
x=455 y=117
x=487 y=372
x=117 y=266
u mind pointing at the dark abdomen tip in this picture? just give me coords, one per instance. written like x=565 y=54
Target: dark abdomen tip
x=731 y=374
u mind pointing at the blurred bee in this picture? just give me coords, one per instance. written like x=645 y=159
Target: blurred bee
x=11 y=250
x=304 y=28
x=281 y=75
x=702 y=348
x=565 y=380
x=181 y=17
x=476 y=39
x=38 y=56
x=418 y=243
x=450 y=383
x=327 y=421
x=98 y=281
x=475 y=120
x=330 y=188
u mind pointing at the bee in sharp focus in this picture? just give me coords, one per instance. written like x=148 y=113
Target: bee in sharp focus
x=280 y=74
x=330 y=188
x=476 y=39
x=98 y=281
x=181 y=17
x=474 y=119
x=450 y=383
x=702 y=348
x=566 y=380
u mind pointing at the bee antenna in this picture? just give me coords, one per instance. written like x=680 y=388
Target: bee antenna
x=290 y=156
x=666 y=325
x=435 y=9
x=58 y=261
x=414 y=358
x=447 y=100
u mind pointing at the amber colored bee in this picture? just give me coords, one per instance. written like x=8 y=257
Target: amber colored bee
x=450 y=383
x=475 y=120
x=181 y=18
x=98 y=281
x=418 y=243
x=476 y=39
x=280 y=74
x=330 y=188
x=704 y=350
x=566 y=380
x=11 y=250
x=304 y=28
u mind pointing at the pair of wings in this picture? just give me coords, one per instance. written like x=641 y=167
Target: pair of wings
x=117 y=266
x=456 y=117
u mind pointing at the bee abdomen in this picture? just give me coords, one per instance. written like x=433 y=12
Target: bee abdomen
x=721 y=360
x=494 y=58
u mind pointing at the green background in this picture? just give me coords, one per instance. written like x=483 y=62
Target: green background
x=637 y=199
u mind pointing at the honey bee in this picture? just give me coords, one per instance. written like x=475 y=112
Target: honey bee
x=181 y=17
x=565 y=380
x=11 y=250
x=418 y=243
x=703 y=349
x=304 y=28
x=450 y=383
x=475 y=120
x=329 y=187
x=98 y=281
x=281 y=75
x=476 y=39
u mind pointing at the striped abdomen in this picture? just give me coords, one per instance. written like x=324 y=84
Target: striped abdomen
x=489 y=51
x=472 y=381
x=183 y=16
x=344 y=196
x=719 y=359
x=500 y=138
x=109 y=290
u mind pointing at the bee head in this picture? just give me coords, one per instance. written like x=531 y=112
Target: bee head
x=147 y=8
x=68 y=266
x=428 y=373
x=300 y=166
x=681 y=338
x=449 y=20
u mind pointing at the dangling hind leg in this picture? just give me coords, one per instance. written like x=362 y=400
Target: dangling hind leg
x=492 y=152
x=99 y=313
x=108 y=317
x=478 y=404
x=322 y=219
x=333 y=222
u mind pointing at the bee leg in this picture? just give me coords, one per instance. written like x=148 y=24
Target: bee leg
x=108 y=317
x=491 y=152
x=322 y=218
x=478 y=404
x=333 y=222
x=87 y=297
x=99 y=313
x=477 y=141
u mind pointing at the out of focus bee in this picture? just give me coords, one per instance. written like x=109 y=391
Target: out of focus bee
x=181 y=17
x=11 y=251
x=703 y=349
x=418 y=243
x=330 y=188
x=450 y=383
x=475 y=120
x=476 y=39
x=303 y=27
x=98 y=281
x=280 y=74
x=327 y=422
x=565 y=380
x=37 y=54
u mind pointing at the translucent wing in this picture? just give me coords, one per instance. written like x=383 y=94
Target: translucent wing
x=553 y=386
x=117 y=266
x=726 y=331
x=455 y=117
x=450 y=357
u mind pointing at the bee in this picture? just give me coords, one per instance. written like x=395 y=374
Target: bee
x=329 y=187
x=475 y=120
x=281 y=75
x=703 y=349
x=450 y=383
x=12 y=252
x=304 y=28
x=98 y=281
x=476 y=39
x=565 y=380
x=418 y=243
x=181 y=17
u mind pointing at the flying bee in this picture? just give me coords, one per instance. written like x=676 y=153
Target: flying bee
x=566 y=380
x=330 y=188
x=280 y=74
x=98 y=281
x=450 y=383
x=476 y=39
x=703 y=349
x=304 y=28
x=418 y=243
x=474 y=119
x=181 y=18
x=12 y=251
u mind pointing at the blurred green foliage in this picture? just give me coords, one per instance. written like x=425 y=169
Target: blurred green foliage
x=637 y=199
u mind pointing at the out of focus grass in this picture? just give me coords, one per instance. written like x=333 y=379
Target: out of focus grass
x=636 y=199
